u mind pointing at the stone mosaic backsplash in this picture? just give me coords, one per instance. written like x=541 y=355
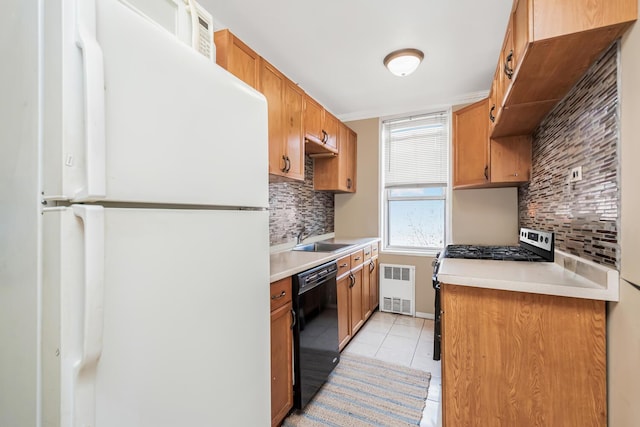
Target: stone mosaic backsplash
x=581 y=131
x=294 y=205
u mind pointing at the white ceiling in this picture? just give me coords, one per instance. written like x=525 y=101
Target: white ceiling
x=334 y=48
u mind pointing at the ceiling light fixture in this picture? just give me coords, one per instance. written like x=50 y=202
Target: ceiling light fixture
x=404 y=61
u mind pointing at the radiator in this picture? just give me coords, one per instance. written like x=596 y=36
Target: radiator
x=397 y=289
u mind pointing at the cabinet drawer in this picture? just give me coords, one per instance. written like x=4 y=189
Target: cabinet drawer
x=357 y=258
x=374 y=250
x=344 y=265
x=280 y=293
x=367 y=252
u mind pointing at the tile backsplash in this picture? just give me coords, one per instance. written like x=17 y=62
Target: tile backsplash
x=294 y=205
x=581 y=131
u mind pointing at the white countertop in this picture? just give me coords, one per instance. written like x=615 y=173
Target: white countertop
x=287 y=262
x=568 y=276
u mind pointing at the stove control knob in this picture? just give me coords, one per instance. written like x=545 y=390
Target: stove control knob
x=546 y=240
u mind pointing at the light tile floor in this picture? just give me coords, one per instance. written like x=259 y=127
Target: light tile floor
x=407 y=341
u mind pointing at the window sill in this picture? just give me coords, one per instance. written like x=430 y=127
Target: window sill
x=430 y=254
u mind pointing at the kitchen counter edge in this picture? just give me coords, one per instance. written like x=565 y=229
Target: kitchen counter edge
x=289 y=263
x=568 y=276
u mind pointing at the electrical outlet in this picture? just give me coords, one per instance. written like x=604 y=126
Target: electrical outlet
x=576 y=174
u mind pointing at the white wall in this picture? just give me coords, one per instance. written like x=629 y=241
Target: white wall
x=485 y=217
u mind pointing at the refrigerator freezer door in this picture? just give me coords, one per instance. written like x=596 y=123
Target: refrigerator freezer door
x=132 y=114
x=177 y=331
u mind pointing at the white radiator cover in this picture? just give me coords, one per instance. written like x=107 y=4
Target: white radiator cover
x=398 y=289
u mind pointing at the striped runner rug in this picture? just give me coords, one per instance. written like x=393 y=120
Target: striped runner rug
x=366 y=392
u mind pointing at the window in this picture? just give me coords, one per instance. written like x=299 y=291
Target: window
x=415 y=176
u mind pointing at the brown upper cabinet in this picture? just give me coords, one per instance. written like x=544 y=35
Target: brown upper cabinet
x=236 y=57
x=338 y=173
x=320 y=128
x=284 y=100
x=480 y=161
x=298 y=124
x=548 y=46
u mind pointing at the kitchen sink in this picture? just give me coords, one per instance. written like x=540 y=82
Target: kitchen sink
x=321 y=247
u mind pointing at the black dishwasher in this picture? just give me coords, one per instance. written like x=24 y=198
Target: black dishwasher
x=315 y=334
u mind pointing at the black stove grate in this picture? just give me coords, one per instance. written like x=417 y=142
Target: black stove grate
x=497 y=253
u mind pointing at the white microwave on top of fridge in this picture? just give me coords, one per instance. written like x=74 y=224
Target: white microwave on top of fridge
x=134 y=195
x=186 y=19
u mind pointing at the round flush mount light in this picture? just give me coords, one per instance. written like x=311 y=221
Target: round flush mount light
x=404 y=61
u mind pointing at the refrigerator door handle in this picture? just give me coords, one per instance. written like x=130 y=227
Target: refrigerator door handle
x=94 y=106
x=85 y=368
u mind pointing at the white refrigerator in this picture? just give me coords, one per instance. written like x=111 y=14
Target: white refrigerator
x=134 y=263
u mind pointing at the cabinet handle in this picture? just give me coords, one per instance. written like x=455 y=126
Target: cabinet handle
x=343 y=265
x=283 y=293
x=352 y=279
x=491 y=116
x=372 y=266
x=293 y=318
x=284 y=168
x=325 y=136
x=357 y=258
x=508 y=70
x=349 y=183
x=486 y=173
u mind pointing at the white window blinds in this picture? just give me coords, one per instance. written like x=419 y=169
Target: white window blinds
x=416 y=150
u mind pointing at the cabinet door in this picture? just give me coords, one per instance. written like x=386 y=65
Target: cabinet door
x=471 y=145
x=272 y=86
x=344 y=310
x=506 y=62
x=281 y=363
x=357 y=314
x=366 y=290
x=293 y=132
x=373 y=283
x=236 y=57
x=313 y=118
x=352 y=160
x=330 y=128
x=511 y=159
x=518 y=351
x=519 y=30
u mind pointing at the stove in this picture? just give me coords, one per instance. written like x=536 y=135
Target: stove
x=497 y=253
x=535 y=246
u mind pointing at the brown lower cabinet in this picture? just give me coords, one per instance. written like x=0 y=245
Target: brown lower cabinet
x=522 y=359
x=357 y=292
x=281 y=350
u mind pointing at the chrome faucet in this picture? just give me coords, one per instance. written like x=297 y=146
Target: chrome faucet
x=301 y=236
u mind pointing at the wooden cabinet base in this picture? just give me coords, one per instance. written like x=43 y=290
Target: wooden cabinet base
x=520 y=359
x=281 y=350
